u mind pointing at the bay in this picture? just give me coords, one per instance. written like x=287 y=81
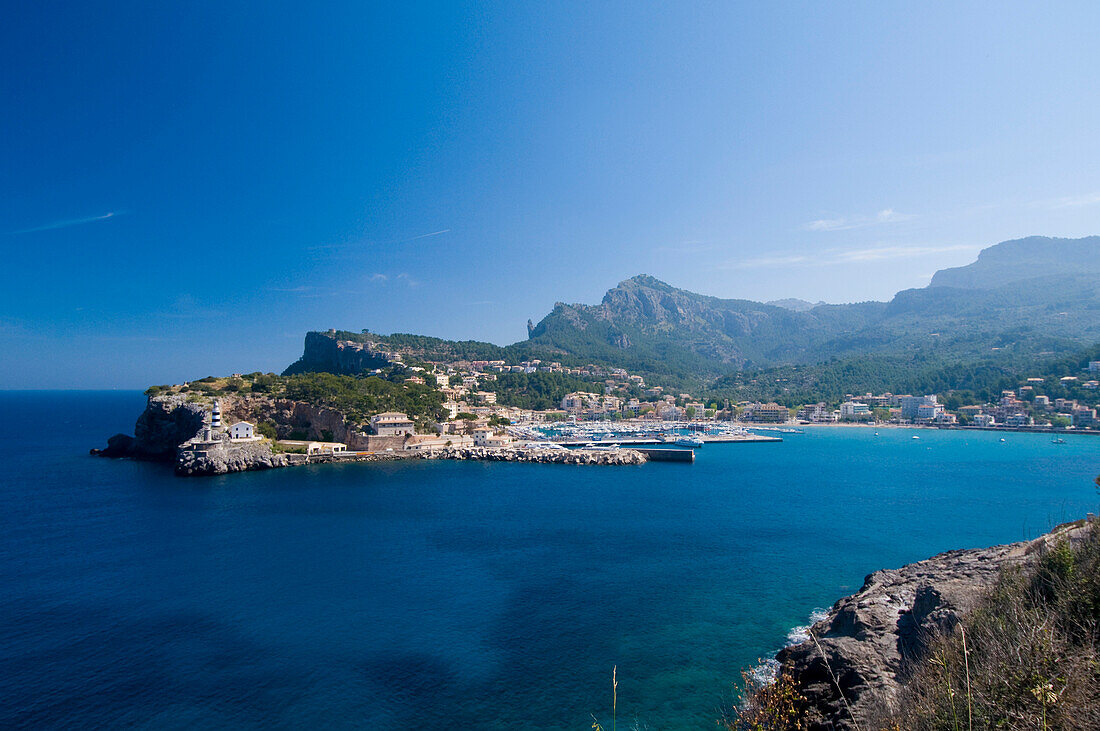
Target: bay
x=459 y=594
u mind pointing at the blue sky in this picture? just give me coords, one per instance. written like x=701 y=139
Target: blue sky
x=188 y=189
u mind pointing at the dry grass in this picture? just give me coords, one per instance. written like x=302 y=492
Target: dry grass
x=1027 y=658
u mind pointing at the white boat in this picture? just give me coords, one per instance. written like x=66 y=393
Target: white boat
x=688 y=442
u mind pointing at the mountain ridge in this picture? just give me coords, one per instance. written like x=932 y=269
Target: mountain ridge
x=1032 y=295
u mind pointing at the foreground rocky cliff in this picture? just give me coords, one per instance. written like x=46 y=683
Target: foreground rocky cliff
x=869 y=642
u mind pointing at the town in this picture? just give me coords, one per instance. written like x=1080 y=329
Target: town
x=476 y=419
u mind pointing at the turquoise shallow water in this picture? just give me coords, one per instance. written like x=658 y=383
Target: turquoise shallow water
x=464 y=595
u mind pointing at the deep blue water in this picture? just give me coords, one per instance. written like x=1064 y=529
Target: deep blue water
x=461 y=595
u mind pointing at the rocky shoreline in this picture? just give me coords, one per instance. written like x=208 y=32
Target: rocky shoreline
x=868 y=642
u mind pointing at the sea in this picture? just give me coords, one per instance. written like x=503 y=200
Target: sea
x=440 y=594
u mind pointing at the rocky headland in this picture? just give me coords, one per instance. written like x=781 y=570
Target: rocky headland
x=165 y=430
x=169 y=428
x=869 y=642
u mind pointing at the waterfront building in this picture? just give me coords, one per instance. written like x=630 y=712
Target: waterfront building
x=815 y=413
x=855 y=411
x=312 y=447
x=928 y=412
x=1084 y=417
x=1019 y=420
x=698 y=409
x=910 y=404
x=391 y=424
x=770 y=413
x=484 y=437
x=984 y=420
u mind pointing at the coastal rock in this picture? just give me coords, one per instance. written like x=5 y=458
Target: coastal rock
x=120 y=445
x=166 y=422
x=228 y=457
x=868 y=642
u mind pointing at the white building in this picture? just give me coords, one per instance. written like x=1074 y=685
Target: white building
x=855 y=411
x=484 y=437
x=928 y=412
x=242 y=430
x=391 y=424
x=911 y=404
x=984 y=420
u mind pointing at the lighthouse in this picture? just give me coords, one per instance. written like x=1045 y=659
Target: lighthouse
x=216 y=416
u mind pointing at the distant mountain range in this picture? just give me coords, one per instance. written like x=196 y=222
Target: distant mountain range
x=1029 y=296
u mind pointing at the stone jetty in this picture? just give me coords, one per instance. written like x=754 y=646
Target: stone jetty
x=544 y=456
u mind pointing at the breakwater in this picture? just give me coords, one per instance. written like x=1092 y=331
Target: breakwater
x=544 y=456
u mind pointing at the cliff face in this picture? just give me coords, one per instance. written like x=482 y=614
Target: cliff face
x=871 y=639
x=167 y=422
x=323 y=353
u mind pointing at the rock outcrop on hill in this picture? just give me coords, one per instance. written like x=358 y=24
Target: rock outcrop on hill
x=869 y=641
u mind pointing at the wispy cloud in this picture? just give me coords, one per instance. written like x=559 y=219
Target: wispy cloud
x=887 y=215
x=63 y=224
x=362 y=244
x=1076 y=201
x=894 y=252
x=408 y=280
x=377 y=277
x=424 y=236
x=845 y=256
